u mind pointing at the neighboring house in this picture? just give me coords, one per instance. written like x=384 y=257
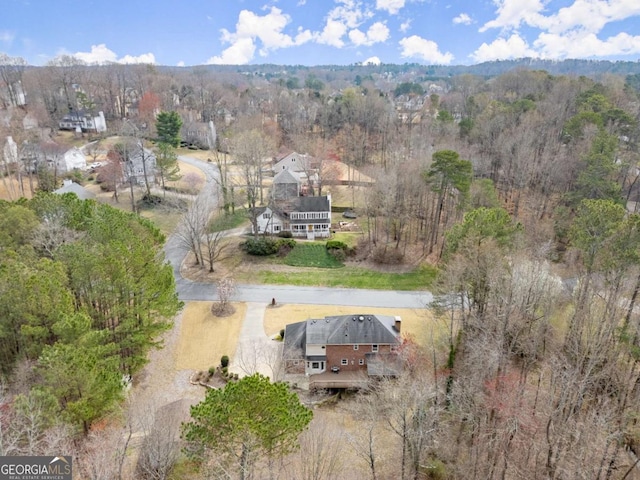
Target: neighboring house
x=78 y=121
x=294 y=161
x=134 y=166
x=12 y=94
x=286 y=184
x=72 y=159
x=200 y=134
x=307 y=217
x=342 y=346
x=71 y=187
x=10 y=151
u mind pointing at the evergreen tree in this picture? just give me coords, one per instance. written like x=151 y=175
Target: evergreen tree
x=168 y=125
x=247 y=418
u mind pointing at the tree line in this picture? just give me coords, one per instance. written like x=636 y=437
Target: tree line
x=85 y=295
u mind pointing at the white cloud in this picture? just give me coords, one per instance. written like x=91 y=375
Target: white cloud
x=332 y=34
x=511 y=13
x=144 y=58
x=372 y=61
x=587 y=15
x=348 y=15
x=570 y=32
x=241 y=52
x=7 y=36
x=405 y=26
x=101 y=54
x=462 y=19
x=581 y=45
x=180 y=63
x=351 y=13
x=392 y=6
x=503 y=48
x=268 y=29
x=415 y=46
x=98 y=54
x=378 y=32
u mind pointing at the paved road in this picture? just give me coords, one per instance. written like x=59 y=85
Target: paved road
x=188 y=290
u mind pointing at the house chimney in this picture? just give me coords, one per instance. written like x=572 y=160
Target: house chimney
x=398 y=324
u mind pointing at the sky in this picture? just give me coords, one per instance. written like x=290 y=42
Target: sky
x=319 y=32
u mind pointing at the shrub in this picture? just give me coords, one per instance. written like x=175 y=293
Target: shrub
x=387 y=256
x=285 y=234
x=435 y=469
x=339 y=250
x=260 y=246
x=285 y=245
x=225 y=371
x=224 y=361
x=212 y=370
x=333 y=244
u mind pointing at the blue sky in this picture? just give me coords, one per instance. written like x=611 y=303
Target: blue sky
x=318 y=32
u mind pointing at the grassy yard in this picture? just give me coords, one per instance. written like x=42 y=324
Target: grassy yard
x=351 y=277
x=311 y=255
x=204 y=338
x=227 y=222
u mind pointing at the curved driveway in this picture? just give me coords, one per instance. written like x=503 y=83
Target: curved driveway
x=188 y=290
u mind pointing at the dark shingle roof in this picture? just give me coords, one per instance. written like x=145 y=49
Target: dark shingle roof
x=352 y=329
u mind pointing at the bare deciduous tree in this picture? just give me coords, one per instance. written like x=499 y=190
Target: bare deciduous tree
x=160 y=447
x=225 y=289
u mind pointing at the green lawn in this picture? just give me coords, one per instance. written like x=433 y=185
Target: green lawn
x=352 y=277
x=227 y=222
x=311 y=255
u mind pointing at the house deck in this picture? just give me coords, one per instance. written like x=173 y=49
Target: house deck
x=340 y=379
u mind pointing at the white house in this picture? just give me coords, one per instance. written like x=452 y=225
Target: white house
x=304 y=217
x=72 y=159
x=136 y=163
x=10 y=151
x=84 y=122
x=294 y=161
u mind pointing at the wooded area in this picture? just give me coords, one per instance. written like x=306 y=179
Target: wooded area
x=522 y=188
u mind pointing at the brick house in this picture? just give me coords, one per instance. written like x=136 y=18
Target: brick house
x=341 y=344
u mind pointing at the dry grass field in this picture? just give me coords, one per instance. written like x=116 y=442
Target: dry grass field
x=204 y=338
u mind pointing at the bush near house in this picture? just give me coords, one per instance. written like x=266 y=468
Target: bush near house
x=339 y=250
x=264 y=246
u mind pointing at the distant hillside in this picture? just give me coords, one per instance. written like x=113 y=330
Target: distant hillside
x=588 y=68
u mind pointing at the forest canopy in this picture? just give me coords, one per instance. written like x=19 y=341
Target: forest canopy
x=85 y=293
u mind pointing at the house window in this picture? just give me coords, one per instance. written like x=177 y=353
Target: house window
x=276 y=228
x=374 y=348
x=344 y=361
x=355 y=347
x=361 y=361
x=266 y=215
x=315 y=365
